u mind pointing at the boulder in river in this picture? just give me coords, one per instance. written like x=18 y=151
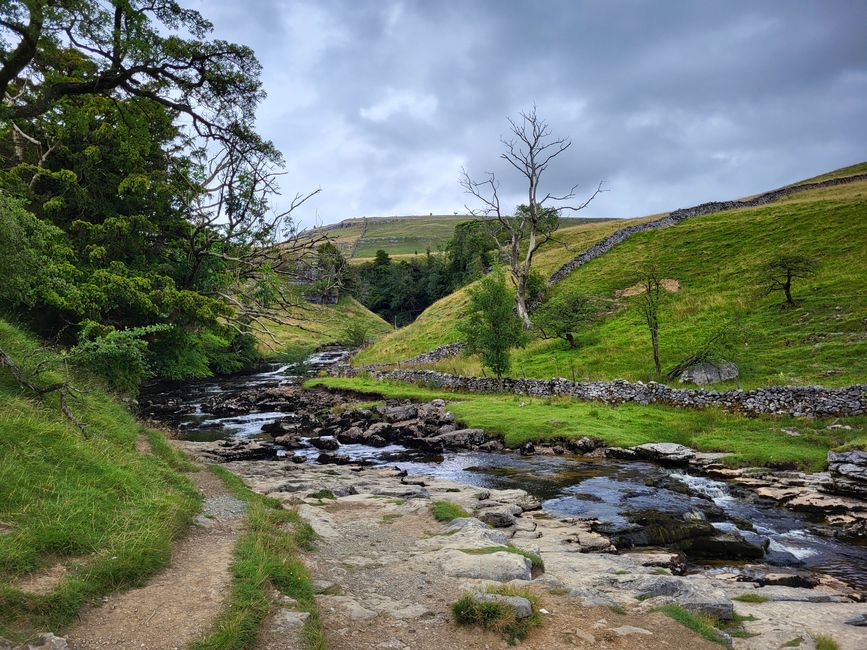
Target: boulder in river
x=666 y=453
x=328 y=443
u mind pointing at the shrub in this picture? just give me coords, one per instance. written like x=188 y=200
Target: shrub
x=355 y=335
x=118 y=357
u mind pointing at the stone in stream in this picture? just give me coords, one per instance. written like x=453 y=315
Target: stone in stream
x=668 y=453
x=328 y=443
x=521 y=607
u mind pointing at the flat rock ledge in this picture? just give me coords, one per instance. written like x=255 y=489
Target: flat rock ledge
x=577 y=561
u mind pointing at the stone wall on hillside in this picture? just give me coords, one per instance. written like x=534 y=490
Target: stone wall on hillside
x=797 y=401
x=678 y=216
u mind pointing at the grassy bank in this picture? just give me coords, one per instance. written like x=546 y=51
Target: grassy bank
x=90 y=508
x=266 y=556
x=752 y=441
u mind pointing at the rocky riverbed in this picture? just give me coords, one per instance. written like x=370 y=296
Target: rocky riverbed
x=433 y=563
x=633 y=528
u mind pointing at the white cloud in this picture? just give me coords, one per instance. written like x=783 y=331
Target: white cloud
x=418 y=106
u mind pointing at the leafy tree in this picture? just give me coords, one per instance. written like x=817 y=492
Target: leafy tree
x=564 y=314
x=53 y=49
x=779 y=273
x=491 y=327
x=530 y=152
x=471 y=252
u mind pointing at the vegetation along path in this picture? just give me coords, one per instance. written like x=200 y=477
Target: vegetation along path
x=180 y=603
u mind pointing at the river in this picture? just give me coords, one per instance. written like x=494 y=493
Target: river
x=610 y=491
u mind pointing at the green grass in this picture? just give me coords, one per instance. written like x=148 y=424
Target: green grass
x=825 y=642
x=447 y=510
x=518 y=419
x=391 y=517
x=93 y=504
x=319 y=325
x=322 y=494
x=716 y=259
x=851 y=170
x=267 y=554
x=535 y=560
x=751 y=598
x=703 y=625
x=498 y=617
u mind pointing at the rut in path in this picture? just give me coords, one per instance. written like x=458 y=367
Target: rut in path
x=180 y=603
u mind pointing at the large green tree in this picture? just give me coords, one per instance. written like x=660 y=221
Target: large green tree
x=491 y=328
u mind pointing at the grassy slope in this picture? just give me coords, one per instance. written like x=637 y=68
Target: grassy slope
x=436 y=325
x=754 y=441
x=716 y=259
x=93 y=504
x=325 y=324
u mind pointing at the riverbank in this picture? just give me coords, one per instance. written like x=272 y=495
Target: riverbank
x=82 y=513
x=781 y=443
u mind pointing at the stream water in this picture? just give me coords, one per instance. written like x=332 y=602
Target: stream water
x=607 y=490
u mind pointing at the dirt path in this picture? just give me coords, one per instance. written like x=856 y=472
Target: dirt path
x=178 y=605
x=381 y=593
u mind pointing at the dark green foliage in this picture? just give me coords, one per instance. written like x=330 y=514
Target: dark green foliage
x=471 y=251
x=119 y=357
x=565 y=314
x=400 y=291
x=491 y=328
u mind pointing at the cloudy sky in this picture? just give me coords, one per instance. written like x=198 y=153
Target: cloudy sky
x=381 y=102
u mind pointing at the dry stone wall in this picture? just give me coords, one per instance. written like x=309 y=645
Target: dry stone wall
x=678 y=216
x=796 y=401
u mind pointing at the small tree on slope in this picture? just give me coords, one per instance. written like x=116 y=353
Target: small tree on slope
x=492 y=328
x=779 y=273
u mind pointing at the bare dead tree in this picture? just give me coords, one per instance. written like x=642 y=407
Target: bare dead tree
x=530 y=152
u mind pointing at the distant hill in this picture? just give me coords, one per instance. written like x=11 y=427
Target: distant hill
x=715 y=260
x=360 y=238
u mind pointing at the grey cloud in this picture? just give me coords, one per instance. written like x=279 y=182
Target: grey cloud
x=673 y=103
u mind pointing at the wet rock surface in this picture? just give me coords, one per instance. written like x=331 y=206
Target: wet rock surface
x=374 y=580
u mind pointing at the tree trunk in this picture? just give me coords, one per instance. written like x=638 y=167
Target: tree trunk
x=522 y=309
x=788 y=289
x=654 y=339
x=570 y=339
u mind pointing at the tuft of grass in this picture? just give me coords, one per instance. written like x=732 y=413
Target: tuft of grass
x=92 y=503
x=498 y=617
x=322 y=494
x=391 y=517
x=267 y=554
x=446 y=511
x=751 y=598
x=794 y=643
x=535 y=560
x=702 y=625
x=825 y=642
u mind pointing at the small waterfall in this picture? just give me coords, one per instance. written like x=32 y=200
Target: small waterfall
x=716 y=491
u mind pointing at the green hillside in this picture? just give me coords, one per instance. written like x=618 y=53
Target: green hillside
x=716 y=260
x=87 y=507
x=359 y=239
